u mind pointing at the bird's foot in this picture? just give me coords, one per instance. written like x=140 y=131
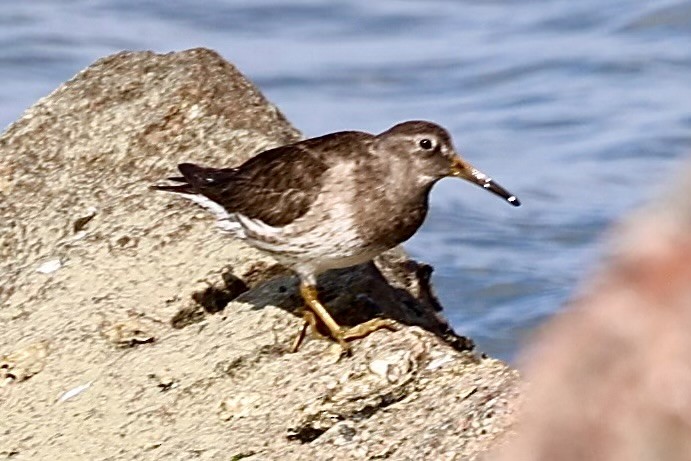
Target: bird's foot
x=341 y=335
x=370 y=326
x=315 y=310
x=311 y=323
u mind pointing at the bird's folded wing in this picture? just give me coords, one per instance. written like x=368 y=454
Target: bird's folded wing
x=277 y=186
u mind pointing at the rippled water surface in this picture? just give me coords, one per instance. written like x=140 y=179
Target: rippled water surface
x=582 y=109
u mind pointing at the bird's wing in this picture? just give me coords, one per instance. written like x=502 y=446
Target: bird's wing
x=276 y=186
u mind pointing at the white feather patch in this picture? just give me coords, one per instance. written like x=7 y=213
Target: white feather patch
x=209 y=204
x=227 y=222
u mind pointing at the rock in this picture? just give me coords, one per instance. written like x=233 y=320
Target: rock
x=219 y=381
x=128 y=333
x=610 y=378
x=74 y=392
x=23 y=363
x=83 y=219
x=49 y=266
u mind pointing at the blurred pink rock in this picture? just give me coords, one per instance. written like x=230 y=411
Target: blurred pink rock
x=610 y=379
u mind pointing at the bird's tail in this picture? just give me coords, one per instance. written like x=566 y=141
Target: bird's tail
x=184 y=188
x=197 y=179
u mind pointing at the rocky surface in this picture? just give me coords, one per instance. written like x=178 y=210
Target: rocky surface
x=132 y=329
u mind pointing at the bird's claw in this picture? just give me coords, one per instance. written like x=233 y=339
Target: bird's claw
x=343 y=335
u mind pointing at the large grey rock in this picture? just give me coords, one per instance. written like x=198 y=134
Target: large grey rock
x=132 y=329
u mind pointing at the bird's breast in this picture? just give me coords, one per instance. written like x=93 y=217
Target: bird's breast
x=390 y=204
x=385 y=223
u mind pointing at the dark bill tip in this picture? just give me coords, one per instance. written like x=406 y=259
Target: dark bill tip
x=462 y=169
x=496 y=189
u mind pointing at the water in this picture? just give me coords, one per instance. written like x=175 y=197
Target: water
x=582 y=109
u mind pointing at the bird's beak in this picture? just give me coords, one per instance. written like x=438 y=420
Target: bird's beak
x=462 y=169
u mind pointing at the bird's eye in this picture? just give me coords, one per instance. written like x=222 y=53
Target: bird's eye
x=426 y=144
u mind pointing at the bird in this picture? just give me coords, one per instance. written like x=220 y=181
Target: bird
x=331 y=202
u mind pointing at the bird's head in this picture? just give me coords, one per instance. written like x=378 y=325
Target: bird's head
x=429 y=151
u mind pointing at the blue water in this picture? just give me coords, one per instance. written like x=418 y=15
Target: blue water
x=582 y=109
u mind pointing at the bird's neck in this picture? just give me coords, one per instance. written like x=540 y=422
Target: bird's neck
x=406 y=211
x=406 y=221
x=404 y=179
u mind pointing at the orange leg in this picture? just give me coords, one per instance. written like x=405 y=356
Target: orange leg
x=336 y=332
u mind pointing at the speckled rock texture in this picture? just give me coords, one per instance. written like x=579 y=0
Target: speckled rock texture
x=131 y=328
